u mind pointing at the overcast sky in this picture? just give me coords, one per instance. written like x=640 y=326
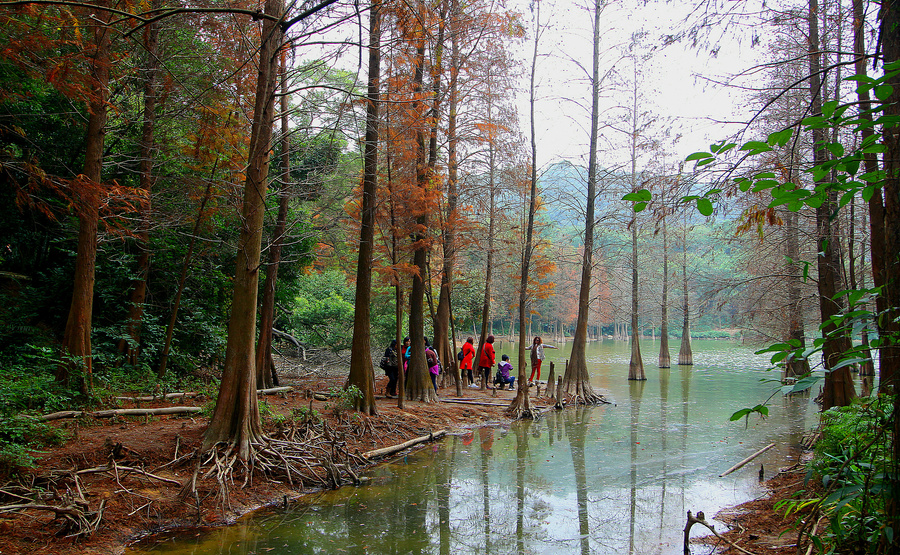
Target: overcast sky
x=676 y=82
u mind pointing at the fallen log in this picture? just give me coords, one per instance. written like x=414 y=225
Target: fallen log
x=301 y=350
x=384 y=451
x=274 y=390
x=159 y=397
x=117 y=412
x=745 y=461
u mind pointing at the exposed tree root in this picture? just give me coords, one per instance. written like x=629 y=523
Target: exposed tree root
x=522 y=413
x=307 y=455
x=584 y=394
x=701 y=519
x=71 y=510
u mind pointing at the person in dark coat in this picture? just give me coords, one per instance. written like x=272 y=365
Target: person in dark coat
x=392 y=368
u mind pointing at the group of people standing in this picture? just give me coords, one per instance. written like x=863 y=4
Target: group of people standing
x=391 y=362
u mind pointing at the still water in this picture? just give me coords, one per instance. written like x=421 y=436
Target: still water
x=609 y=479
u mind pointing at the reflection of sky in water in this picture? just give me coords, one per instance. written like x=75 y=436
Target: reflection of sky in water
x=641 y=464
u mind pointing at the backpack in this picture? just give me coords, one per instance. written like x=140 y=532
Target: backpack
x=459 y=355
x=383 y=364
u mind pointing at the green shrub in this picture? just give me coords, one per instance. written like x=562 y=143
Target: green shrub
x=21 y=439
x=344 y=399
x=853 y=460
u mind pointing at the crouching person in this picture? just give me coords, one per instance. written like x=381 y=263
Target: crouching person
x=503 y=378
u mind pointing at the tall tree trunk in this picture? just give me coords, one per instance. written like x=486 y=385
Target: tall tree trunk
x=442 y=313
x=362 y=374
x=266 y=375
x=398 y=283
x=889 y=361
x=489 y=264
x=685 y=353
x=866 y=368
x=521 y=404
x=77 y=336
x=636 y=364
x=129 y=345
x=795 y=366
x=576 y=375
x=878 y=222
x=418 y=382
x=838 y=389
x=185 y=265
x=235 y=419
x=443 y=322
x=665 y=359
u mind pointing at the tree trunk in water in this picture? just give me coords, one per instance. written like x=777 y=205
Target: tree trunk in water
x=77 y=337
x=266 y=376
x=235 y=419
x=129 y=345
x=838 y=389
x=636 y=364
x=685 y=353
x=362 y=373
x=577 y=379
x=665 y=359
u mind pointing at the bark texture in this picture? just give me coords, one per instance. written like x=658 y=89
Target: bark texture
x=362 y=374
x=236 y=417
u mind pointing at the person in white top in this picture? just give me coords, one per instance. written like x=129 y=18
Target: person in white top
x=537 y=357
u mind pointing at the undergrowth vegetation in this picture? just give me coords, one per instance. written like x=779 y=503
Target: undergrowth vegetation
x=28 y=389
x=854 y=462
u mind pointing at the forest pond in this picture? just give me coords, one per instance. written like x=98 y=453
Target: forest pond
x=608 y=479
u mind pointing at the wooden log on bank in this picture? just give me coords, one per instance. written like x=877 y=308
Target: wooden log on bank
x=385 y=451
x=745 y=461
x=274 y=390
x=181 y=395
x=117 y=412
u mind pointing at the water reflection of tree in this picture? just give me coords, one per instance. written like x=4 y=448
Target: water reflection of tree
x=663 y=434
x=636 y=389
x=444 y=485
x=576 y=426
x=487 y=441
x=521 y=463
x=686 y=374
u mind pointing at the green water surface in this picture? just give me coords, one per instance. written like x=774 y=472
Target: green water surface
x=611 y=479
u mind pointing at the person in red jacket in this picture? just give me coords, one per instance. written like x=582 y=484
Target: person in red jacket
x=486 y=362
x=468 y=352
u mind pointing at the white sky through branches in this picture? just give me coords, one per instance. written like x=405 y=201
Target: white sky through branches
x=679 y=85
